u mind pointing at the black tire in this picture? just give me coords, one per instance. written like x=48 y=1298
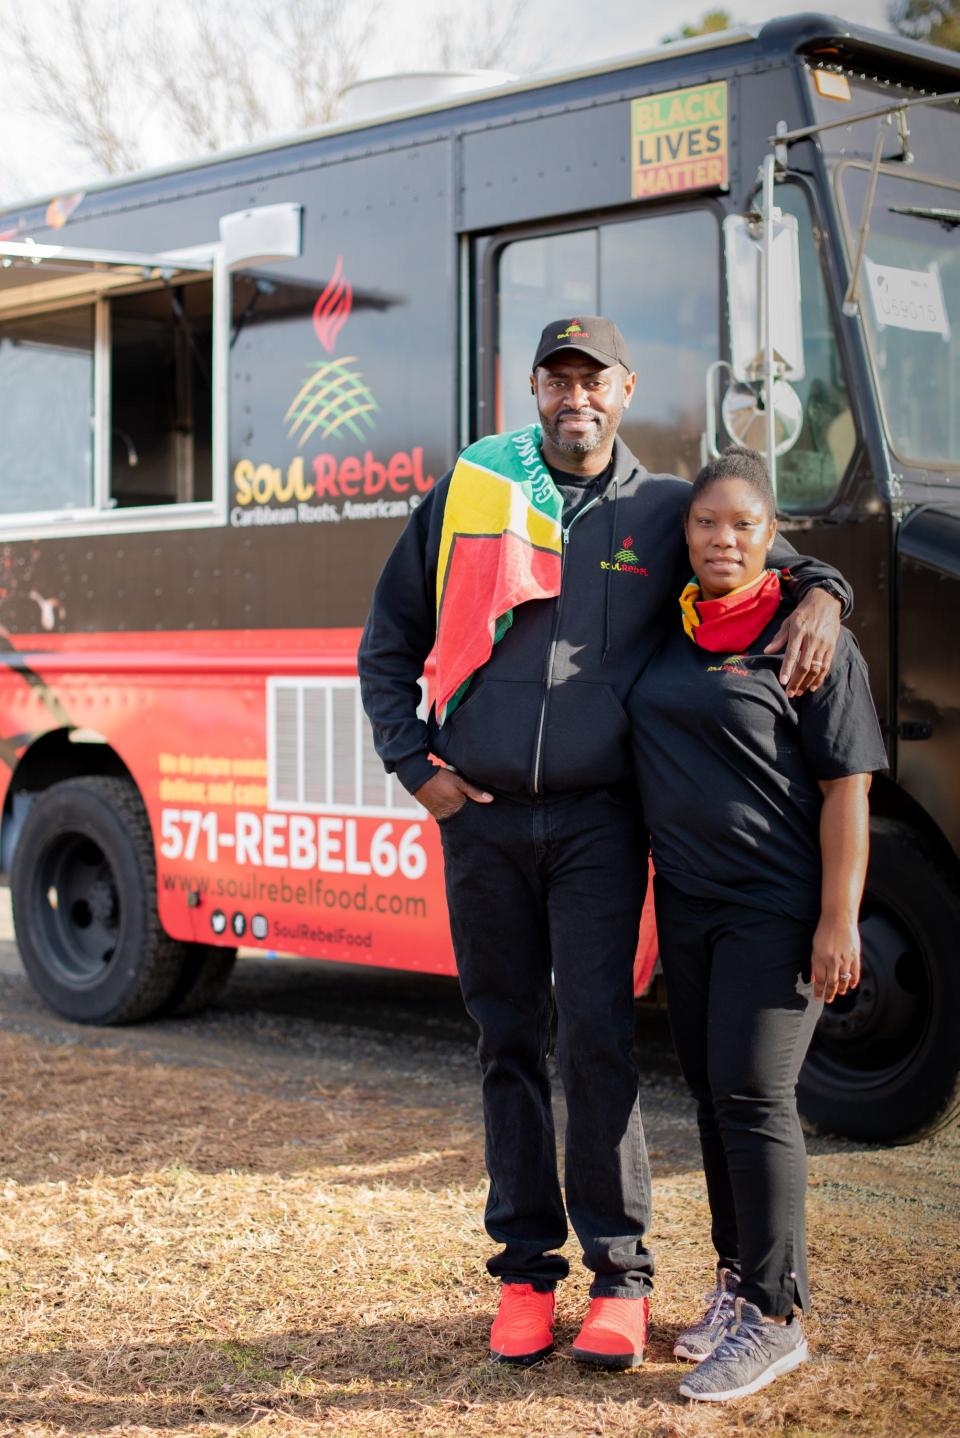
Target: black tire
x=204 y=977
x=884 y=1063
x=83 y=887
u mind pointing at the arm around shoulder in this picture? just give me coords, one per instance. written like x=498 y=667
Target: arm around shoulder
x=807 y=572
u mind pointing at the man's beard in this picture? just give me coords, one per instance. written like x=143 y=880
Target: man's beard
x=605 y=427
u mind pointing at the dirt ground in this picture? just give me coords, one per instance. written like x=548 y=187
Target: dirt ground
x=269 y=1218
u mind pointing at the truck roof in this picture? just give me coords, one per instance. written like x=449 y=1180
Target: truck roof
x=782 y=37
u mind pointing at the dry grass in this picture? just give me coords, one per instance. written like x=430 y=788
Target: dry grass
x=194 y=1251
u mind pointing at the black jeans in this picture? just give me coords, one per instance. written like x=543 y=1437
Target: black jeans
x=534 y=886
x=742 y=1013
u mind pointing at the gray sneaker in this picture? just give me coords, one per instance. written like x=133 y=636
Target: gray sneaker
x=750 y=1355
x=699 y=1340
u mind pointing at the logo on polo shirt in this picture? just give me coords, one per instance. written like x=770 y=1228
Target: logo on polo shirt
x=625 y=561
x=733 y=664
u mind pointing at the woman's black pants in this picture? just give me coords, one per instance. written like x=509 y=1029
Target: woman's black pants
x=742 y=1013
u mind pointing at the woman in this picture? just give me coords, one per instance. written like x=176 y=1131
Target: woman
x=757 y=807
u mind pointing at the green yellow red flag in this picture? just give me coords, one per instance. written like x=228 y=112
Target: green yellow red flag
x=501 y=545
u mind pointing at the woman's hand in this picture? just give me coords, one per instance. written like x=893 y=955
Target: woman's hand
x=836 y=957
x=809 y=640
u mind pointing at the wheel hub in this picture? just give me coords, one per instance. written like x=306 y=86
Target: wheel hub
x=81 y=909
x=864 y=1036
x=102 y=899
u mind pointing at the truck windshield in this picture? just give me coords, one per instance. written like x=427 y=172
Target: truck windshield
x=910 y=289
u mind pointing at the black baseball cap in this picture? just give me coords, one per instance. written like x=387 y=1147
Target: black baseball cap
x=589 y=334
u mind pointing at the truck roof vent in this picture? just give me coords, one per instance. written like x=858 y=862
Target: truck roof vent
x=387 y=94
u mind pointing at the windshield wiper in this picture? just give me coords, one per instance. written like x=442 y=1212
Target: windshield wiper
x=949 y=219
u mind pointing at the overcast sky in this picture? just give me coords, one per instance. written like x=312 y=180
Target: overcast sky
x=36 y=160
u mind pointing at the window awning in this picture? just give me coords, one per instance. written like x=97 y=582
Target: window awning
x=33 y=275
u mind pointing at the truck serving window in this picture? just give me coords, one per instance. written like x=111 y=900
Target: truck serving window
x=910 y=302
x=810 y=473
x=112 y=389
x=659 y=279
x=46 y=403
x=160 y=396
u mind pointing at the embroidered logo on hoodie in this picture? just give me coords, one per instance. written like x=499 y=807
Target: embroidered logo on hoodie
x=625 y=560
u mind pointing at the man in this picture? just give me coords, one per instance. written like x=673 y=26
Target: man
x=544 y=568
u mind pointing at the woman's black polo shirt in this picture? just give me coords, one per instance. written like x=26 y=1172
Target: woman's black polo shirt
x=728 y=767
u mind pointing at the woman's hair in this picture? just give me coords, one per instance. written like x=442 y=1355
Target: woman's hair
x=737 y=463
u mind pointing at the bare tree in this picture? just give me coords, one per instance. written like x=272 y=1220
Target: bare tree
x=207 y=73
x=478 y=37
x=225 y=77
x=709 y=23
x=120 y=79
x=321 y=46
x=936 y=21
x=82 y=86
x=198 y=64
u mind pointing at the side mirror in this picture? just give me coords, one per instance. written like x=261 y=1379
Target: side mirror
x=745 y=420
x=743 y=254
x=762 y=264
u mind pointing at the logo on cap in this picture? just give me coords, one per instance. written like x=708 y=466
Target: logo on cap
x=573 y=331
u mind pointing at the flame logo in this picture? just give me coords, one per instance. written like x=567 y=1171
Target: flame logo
x=628 y=542
x=333 y=307
x=334 y=397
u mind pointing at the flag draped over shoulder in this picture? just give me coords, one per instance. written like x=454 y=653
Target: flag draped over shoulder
x=501 y=545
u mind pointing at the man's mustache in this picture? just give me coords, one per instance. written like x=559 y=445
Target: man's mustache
x=578 y=414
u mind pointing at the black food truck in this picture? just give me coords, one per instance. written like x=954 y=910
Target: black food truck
x=225 y=386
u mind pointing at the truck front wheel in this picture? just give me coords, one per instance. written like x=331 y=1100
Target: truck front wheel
x=884 y=1062
x=83 y=888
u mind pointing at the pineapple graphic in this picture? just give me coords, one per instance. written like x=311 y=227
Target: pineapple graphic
x=334 y=398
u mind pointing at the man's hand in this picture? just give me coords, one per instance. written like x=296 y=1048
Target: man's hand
x=446 y=793
x=809 y=640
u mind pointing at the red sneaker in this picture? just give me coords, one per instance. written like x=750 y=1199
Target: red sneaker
x=522 y=1331
x=614 y=1333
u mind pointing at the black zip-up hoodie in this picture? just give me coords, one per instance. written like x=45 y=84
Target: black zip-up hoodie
x=545 y=714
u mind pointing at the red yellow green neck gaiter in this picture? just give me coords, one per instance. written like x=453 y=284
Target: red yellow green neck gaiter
x=729 y=624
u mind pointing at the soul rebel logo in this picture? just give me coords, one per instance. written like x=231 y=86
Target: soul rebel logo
x=333 y=401
x=574 y=331
x=733 y=664
x=625 y=561
x=333 y=479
